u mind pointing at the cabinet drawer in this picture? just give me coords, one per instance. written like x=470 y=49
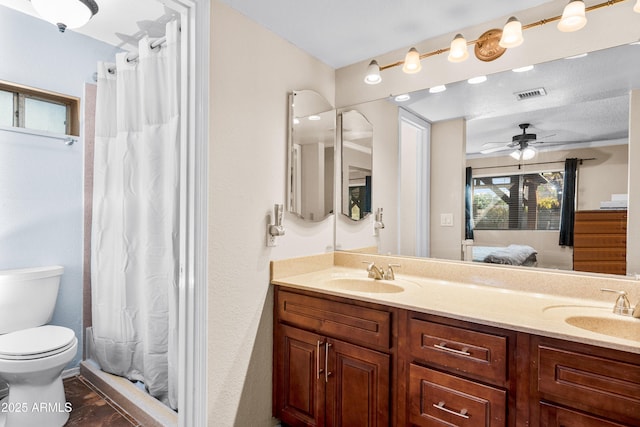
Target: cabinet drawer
x=598 y=385
x=438 y=399
x=356 y=324
x=600 y=254
x=460 y=350
x=600 y=240
x=555 y=416
x=608 y=267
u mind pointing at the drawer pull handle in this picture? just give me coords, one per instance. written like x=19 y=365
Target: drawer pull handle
x=443 y=346
x=318 y=369
x=461 y=414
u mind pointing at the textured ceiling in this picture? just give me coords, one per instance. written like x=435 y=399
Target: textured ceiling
x=587 y=98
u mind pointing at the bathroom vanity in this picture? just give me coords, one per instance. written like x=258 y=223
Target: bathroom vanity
x=422 y=350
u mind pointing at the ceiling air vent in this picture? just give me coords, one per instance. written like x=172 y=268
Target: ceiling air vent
x=532 y=93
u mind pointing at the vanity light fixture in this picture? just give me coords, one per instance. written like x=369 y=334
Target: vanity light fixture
x=523 y=69
x=412 y=62
x=513 y=38
x=66 y=13
x=458 y=51
x=636 y=8
x=373 y=73
x=437 y=89
x=511 y=34
x=574 y=17
x=476 y=80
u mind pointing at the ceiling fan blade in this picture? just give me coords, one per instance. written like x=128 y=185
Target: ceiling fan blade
x=488 y=150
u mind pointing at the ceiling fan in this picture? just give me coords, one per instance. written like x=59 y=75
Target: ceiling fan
x=520 y=144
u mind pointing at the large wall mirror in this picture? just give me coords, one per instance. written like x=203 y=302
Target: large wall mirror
x=569 y=108
x=311 y=153
x=357 y=164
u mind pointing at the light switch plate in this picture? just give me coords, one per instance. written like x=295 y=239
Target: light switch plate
x=446 y=220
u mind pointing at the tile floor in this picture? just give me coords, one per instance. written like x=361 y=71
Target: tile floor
x=91 y=408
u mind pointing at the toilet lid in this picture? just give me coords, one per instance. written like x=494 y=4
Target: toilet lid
x=36 y=342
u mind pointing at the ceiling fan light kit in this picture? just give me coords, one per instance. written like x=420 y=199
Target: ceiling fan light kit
x=493 y=43
x=66 y=13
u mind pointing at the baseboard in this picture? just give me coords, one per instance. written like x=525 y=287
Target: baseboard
x=147 y=410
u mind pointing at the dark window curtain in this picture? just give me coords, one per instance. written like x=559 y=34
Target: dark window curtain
x=568 y=202
x=367 y=197
x=468 y=205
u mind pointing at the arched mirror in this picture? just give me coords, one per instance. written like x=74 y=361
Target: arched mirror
x=357 y=165
x=311 y=153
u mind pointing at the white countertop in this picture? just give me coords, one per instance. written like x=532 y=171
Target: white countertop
x=535 y=313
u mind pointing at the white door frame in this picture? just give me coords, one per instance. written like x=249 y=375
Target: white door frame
x=192 y=318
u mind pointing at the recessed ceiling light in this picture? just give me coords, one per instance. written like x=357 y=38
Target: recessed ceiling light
x=403 y=97
x=581 y=55
x=476 y=80
x=523 y=69
x=296 y=121
x=314 y=117
x=437 y=89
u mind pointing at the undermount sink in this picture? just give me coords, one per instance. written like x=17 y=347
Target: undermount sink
x=599 y=320
x=624 y=327
x=356 y=284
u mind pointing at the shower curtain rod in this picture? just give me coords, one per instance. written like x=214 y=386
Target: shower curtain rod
x=134 y=56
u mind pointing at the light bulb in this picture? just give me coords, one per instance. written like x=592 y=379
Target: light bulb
x=515 y=154
x=511 y=34
x=636 y=8
x=573 y=17
x=528 y=153
x=412 y=62
x=458 y=51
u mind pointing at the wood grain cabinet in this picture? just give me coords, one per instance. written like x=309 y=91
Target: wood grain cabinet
x=581 y=385
x=343 y=362
x=600 y=241
x=332 y=365
x=459 y=373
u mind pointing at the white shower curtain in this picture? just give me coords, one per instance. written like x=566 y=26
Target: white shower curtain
x=135 y=229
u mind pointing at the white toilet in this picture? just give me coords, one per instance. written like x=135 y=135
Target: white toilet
x=32 y=353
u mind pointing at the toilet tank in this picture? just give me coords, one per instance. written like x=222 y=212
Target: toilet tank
x=28 y=297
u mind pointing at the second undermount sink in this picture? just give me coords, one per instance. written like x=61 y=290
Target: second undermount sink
x=599 y=320
x=622 y=327
x=357 y=284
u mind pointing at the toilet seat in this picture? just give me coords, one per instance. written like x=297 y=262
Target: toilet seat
x=36 y=343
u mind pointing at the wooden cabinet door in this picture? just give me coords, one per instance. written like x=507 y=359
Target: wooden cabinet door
x=299 y=377
x=358 y=387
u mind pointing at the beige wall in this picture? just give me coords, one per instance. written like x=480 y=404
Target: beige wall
x=633 y=225
x=252 y=72
x=448 y=146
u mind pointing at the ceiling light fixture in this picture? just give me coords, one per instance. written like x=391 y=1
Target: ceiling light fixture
x=528 y=153
x=402 y=98
x=373 y=74
x=458 y=51
x=412 y=62
x=437 y=89
x=573 y=17
x=523 y=69
x=483 y=38
x=66 y=13
x=476 y=80
x=511 y=34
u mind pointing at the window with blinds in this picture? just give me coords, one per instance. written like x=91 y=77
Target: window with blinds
x=530 y=201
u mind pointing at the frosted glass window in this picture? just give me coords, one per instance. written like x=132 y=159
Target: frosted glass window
x=6 y=108
x=44 y=115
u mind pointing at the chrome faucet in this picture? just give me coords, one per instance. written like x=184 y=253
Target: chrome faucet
x=622 y=305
